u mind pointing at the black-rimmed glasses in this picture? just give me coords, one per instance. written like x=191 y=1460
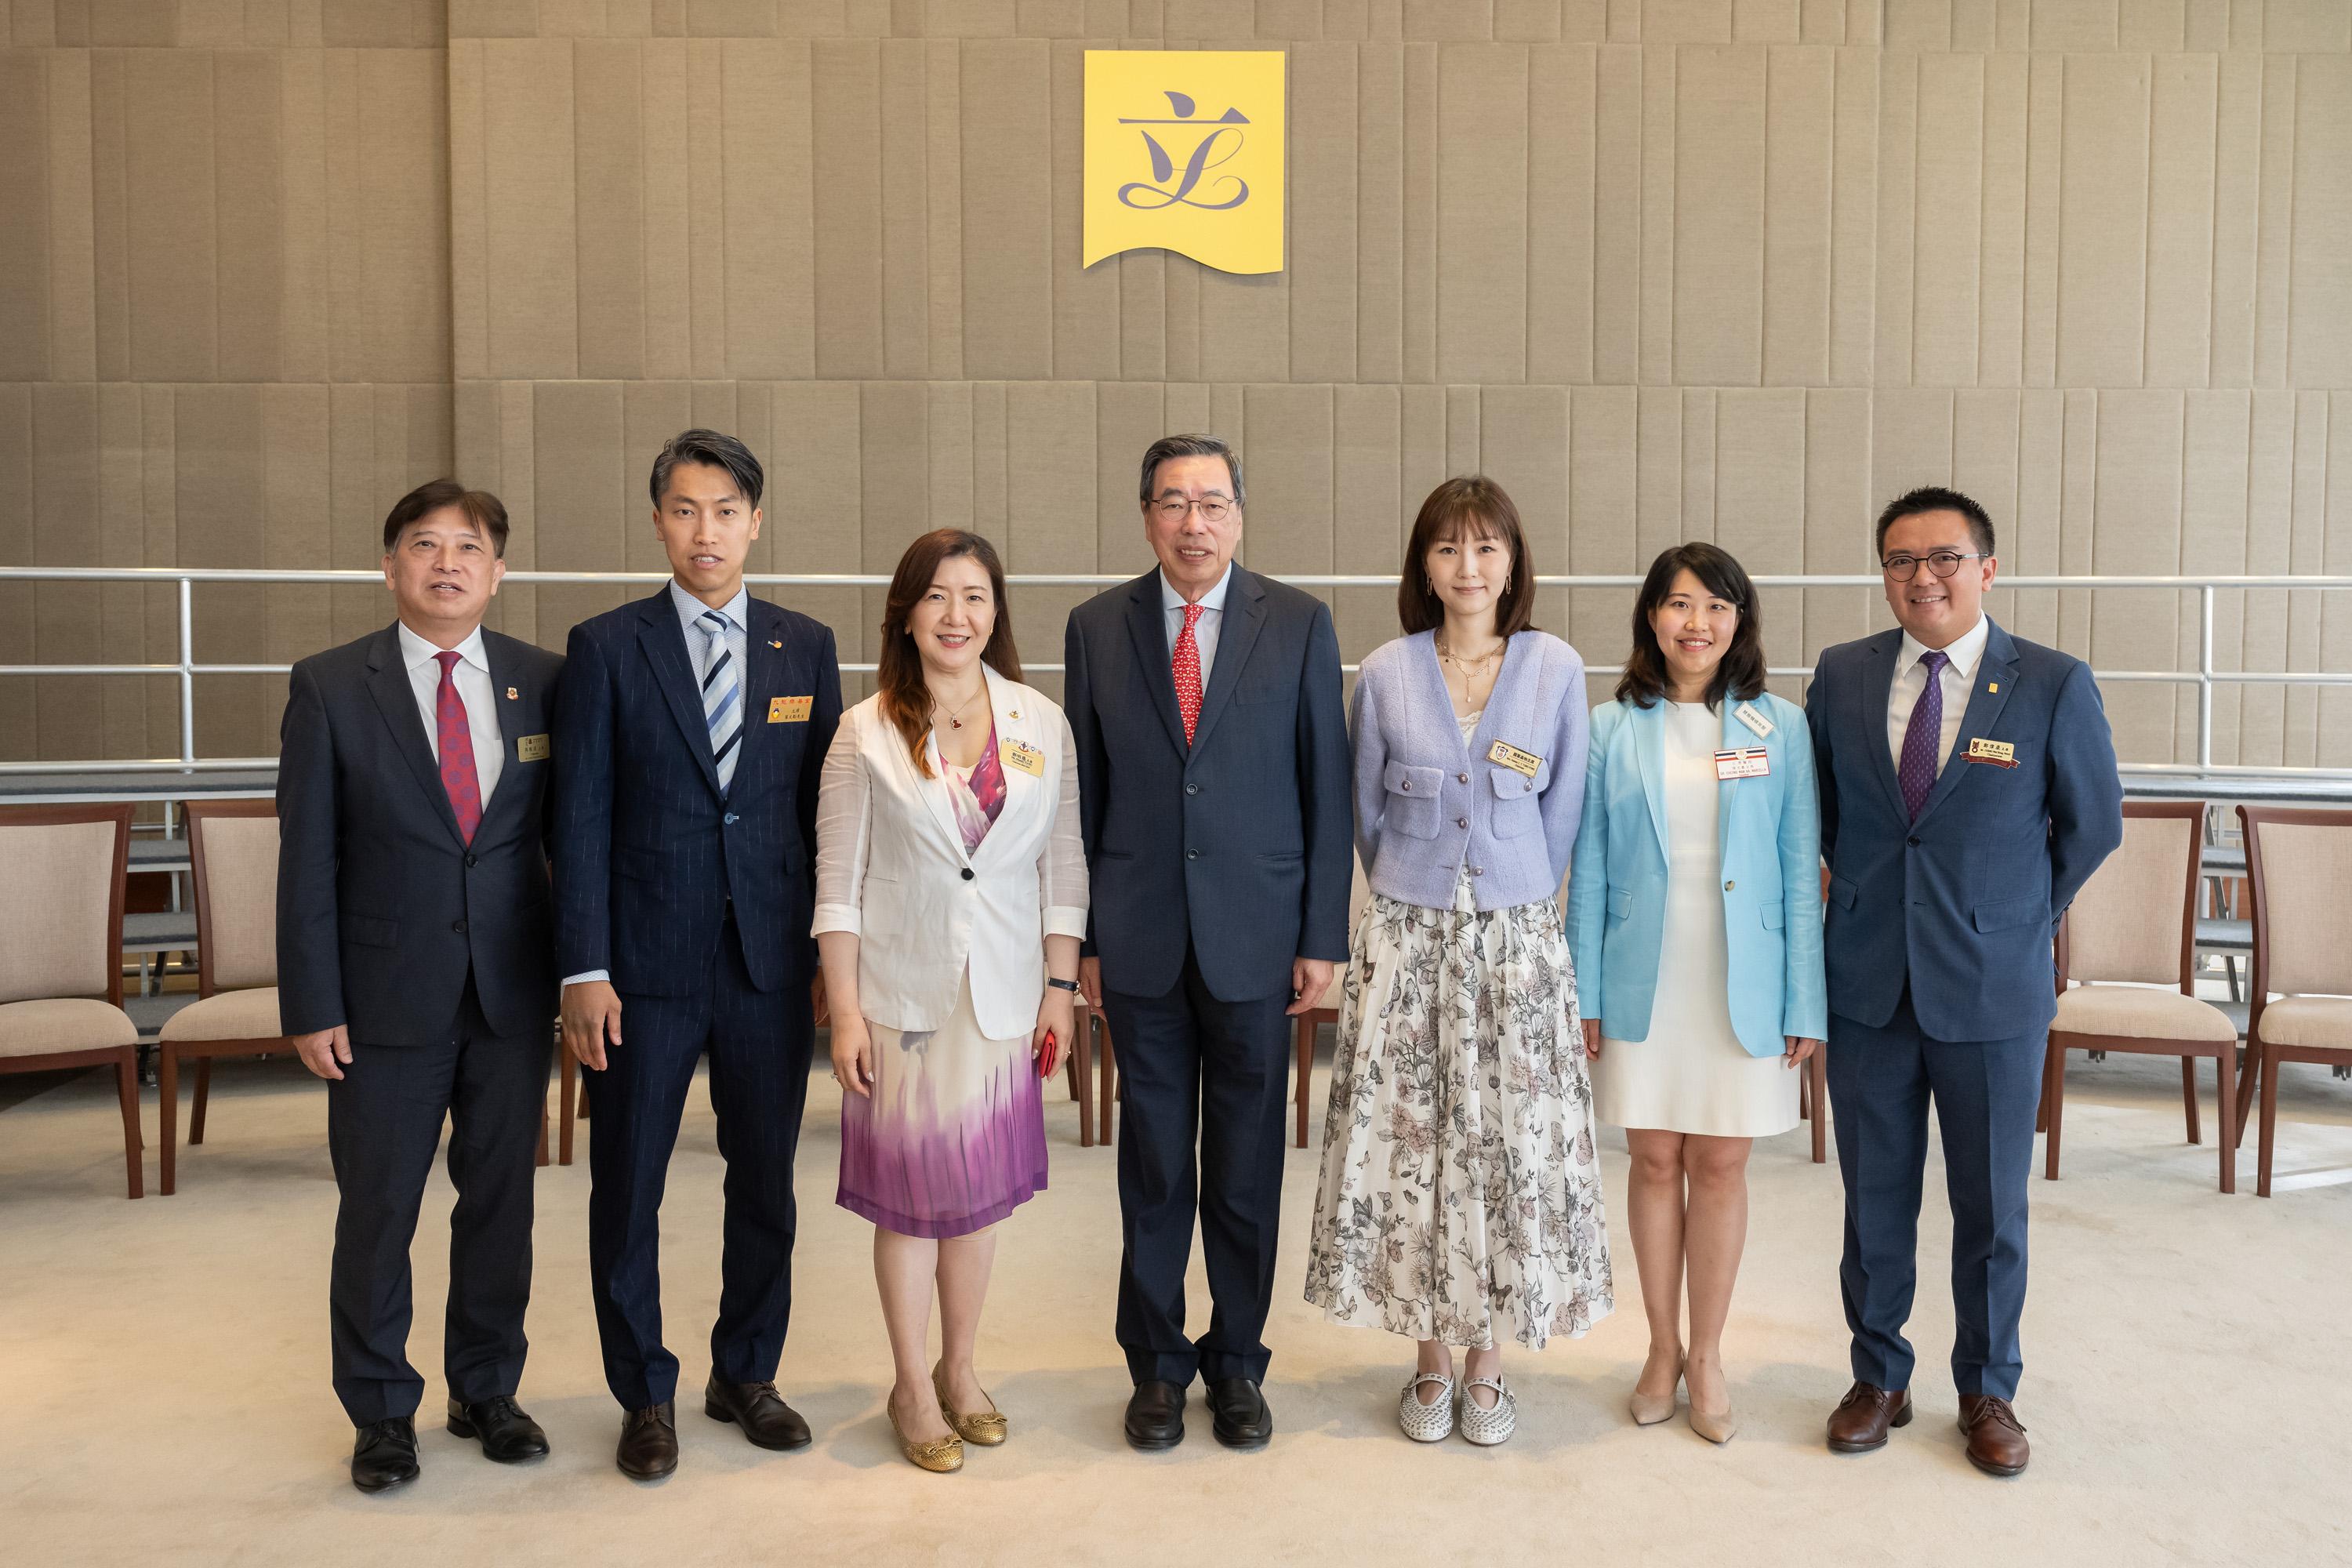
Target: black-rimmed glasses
x=1902 y=568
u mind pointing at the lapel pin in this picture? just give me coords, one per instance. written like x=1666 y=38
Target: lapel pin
x=1992 y=685
x=1014 y=714
x=774 y=643
x=513 y=695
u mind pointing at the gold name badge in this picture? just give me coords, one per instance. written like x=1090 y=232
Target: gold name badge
x=1511 y=757
x=790 y=710
x=531 y=749
x=1021 y=755
x=2001 y=754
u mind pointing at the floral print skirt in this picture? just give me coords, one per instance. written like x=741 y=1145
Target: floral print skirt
x=1460 y=1197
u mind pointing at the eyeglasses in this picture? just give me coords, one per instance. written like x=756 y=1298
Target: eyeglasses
x=1902 y=568
x=1212 y=509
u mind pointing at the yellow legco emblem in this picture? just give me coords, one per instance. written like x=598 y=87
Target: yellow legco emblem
x=1184 y=152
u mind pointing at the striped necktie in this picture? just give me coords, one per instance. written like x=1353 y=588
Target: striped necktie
x=722 y=696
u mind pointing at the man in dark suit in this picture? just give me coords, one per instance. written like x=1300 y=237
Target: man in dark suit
x=1212 y=775
x=416 y=966
x=688 y=742
x=1968 y=789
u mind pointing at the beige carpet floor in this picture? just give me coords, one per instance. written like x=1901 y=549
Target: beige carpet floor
x=163 y=1369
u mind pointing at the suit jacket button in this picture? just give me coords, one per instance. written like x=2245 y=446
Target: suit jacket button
x=1461 y=778
x=458 y=926
x=1191 y=853
x=1913 y=842
x=1461 y=822
x=967 y=873
x=472 y=860
x=1405 y=788
x=1478 y=870
x=1728 y=886
x=730 y=820
x=1192 y=789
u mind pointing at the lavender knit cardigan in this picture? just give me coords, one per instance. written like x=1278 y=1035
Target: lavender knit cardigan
x=1425 y=803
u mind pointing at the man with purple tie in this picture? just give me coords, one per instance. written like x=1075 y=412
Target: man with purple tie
x=1968 y=789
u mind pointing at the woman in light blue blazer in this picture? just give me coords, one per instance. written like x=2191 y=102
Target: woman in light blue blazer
x=1460 y=1201
x=1696 y=919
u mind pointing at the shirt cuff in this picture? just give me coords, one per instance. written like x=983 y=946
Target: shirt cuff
x=1064 y=920
x=605 y=976
x=836 y=917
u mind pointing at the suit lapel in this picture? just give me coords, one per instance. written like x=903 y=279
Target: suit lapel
x=1148 y=626
x=1004 y=703
x=1877 y=689
x=664 y=640
x=1650 y=761
x=501 y=676
x=396 y=699
x=1245 y=613
x=1727 y=792
x=1998 y=668
x=764 y=676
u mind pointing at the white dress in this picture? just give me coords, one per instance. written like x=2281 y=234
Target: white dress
x=1692 y=1075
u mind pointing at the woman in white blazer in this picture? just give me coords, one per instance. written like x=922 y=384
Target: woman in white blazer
x=950 y=900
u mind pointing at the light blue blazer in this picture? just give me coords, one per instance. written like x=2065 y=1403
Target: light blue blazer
x=1770 y=840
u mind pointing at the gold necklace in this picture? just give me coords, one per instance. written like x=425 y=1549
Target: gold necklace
x=955 y=714
x=1469 y=665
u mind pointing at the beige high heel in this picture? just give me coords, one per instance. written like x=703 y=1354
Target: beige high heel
x=1654 y=1409
x=1720 y=1428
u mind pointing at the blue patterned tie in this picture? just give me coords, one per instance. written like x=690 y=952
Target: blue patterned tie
x=1924 y=736
x=722 y=696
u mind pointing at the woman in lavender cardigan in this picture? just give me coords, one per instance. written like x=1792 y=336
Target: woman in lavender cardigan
x=1460 y=1201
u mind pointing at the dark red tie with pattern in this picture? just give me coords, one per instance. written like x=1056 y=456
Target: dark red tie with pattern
x=457 y=774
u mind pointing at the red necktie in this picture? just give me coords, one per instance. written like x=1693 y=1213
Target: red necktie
x=1188 y=672
x=457 y=774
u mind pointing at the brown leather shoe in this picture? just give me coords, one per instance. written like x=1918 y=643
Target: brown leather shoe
x=649 y=1447
x=1997 y=1442
x=758 y=1409
x=1861 y=1421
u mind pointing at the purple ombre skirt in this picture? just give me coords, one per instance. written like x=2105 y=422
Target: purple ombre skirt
x=952 y=1138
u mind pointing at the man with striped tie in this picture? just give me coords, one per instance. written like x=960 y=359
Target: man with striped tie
x=687 y=747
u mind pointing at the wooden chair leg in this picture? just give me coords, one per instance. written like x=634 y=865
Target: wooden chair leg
x=203 y=1094
x=568 y=1097
x=1303 y=1035
x=167 y=1105
x=1817 y=1073
x=541 y=1157
x=2250 y=1078
x=1082 y=1078
x=2270 y=1069
x=2225 y=1111
x=1109 y=1083
x=126 y=1083
x=2053 y=1091
x=2188 y=1098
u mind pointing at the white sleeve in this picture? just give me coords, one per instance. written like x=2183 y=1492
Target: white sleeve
x=844 y=826
x=1062 y=864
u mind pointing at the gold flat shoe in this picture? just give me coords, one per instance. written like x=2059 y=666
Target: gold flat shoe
x=986 y=1431
x=941 y=1456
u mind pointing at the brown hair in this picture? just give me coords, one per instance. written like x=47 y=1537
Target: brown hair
x=1467 y=505
x=1740 y=671
x=906 y=700
x=482 y=509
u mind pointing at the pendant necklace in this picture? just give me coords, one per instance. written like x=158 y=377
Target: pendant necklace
x=955 y=714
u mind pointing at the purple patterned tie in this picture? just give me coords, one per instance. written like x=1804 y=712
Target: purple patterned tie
x=1920 y=741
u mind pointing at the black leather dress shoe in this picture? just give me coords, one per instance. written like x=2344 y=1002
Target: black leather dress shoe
x=383 y=1454
x=758 y=1409
x=508 y=1436
x=1155 y=1416
x=1243 y=1419
x=648 y=1449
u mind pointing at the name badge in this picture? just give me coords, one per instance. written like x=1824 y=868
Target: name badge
x=530 y=749
x=789 y=709
x=1511 y=757
x=1747 y=713
x=1743 y=762
x=1021 y=755
x=1999 y=754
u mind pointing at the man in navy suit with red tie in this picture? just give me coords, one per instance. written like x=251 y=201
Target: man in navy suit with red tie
x=692 y=730
x=416 y=967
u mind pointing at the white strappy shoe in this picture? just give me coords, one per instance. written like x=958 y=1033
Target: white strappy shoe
x=1487 y=1426
x=1432 y=1422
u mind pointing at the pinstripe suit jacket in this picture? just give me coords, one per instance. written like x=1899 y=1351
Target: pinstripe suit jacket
x=648 y=851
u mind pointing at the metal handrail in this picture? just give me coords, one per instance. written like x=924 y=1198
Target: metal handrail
x=2205 y=677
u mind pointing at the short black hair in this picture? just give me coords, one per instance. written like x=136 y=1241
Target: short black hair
x=482 y=509
x=713 y=450
x=1169 y=448
x=1935 y=497
x=1740 y=672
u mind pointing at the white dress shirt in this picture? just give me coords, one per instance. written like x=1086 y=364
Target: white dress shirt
x=1213 y=617
x=1965 y=653
x=737 y=611
x=474 y=690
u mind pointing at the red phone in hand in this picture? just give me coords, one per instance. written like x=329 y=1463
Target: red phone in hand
x=1050 y=1057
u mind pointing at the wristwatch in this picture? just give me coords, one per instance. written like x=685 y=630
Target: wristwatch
x=1069 y=986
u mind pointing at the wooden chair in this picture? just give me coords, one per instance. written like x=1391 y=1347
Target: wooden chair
x=232 y=847
x=2300 y=864
x=1080 y=1069
x=2133 y=926
x=61 y=950
x=1327 y=1006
